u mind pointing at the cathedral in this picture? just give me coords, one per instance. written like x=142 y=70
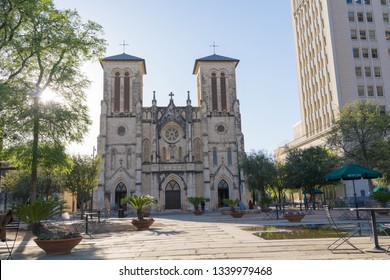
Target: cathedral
x=170 y=152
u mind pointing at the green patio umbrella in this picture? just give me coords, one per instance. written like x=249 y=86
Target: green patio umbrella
x=353 y=172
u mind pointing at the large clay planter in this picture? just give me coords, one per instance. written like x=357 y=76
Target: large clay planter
x=58 y=247
x=142 y=224
x=237 y=214
x=294 y=217
x=198 y=212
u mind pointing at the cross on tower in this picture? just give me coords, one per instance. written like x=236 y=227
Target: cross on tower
x=214 y=46
x=124 y=45
x=171 y=95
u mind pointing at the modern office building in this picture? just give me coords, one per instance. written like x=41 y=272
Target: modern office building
x=342 y=50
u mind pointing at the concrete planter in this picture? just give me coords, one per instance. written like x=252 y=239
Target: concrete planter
x=143 y=224
x=237 y=214
x=293 y=217
x=58 y=247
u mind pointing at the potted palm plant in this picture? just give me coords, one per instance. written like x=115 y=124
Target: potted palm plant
x=53 y=241
x=232 y=204
x=196 y=201
x=140 y=203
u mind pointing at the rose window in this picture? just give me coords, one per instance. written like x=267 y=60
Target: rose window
x=171 y=134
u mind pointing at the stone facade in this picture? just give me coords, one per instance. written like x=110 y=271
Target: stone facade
x=170 y=152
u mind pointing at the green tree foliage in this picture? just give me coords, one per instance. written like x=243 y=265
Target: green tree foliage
x=259 y=169
x=17 y=183
x=306 y=169
x=43 y=48
x=83 y=178
x=279 y=184
x=361 y=134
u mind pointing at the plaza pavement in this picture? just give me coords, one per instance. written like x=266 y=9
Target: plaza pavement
x=184 y=236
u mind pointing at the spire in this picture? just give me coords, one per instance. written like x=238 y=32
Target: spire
x=188 y=99
x=154 y=101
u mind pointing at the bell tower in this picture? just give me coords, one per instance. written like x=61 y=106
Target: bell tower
x=120 y=123
x=222 y=138
x=216 y=79
x=123 y=82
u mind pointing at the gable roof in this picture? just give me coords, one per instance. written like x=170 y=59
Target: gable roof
x=214 y=58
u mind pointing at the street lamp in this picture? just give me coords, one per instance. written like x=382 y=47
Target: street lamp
x=93 y=157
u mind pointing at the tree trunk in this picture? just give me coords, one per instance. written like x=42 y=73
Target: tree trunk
x=34 y=163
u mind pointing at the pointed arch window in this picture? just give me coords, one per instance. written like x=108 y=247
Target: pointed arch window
x=127 y=92
x=164 y=154
x=223 y=184
x=198 y=150
x=117 y=86
x=223 y=92
x=214 y=94
x=146 y=151
x=229 y=156
x=128 y=159
x=215 y=157
x=180 y=154
x=113 y=159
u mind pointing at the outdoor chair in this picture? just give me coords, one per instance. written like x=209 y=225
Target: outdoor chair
x=270 y=214
x=344 y=233
x=73 y=224
x=385 y=228
x=98 y=224
x=9 y=232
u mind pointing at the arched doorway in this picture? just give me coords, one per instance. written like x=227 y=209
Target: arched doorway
x=223 y=192
x=120 y=192
x=172 y=195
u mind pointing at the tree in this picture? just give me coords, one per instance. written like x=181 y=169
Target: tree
x=361 y=134
x=18 y=182
x=259 y=170
x=306 y=169
x=279 y=184
x=83 y=178
x=43 y=48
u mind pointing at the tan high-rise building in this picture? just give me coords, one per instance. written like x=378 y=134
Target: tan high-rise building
x=342 y=49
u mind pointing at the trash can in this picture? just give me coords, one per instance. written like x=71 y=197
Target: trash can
x=121 y=213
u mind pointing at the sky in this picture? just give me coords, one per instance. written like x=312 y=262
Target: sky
x=171 y=34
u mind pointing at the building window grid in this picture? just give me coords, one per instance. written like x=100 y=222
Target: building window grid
x=372 y=35
x=370 y=90
x=359 y=2
x=377 y=72
x=367 y=72
x=358 y=72
x=386 y=17
x=362 y=35
x=365 y=53
x=379 y=91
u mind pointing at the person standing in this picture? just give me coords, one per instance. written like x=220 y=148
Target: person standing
x=202 y=206
x=306 y=202
x=250 y=204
